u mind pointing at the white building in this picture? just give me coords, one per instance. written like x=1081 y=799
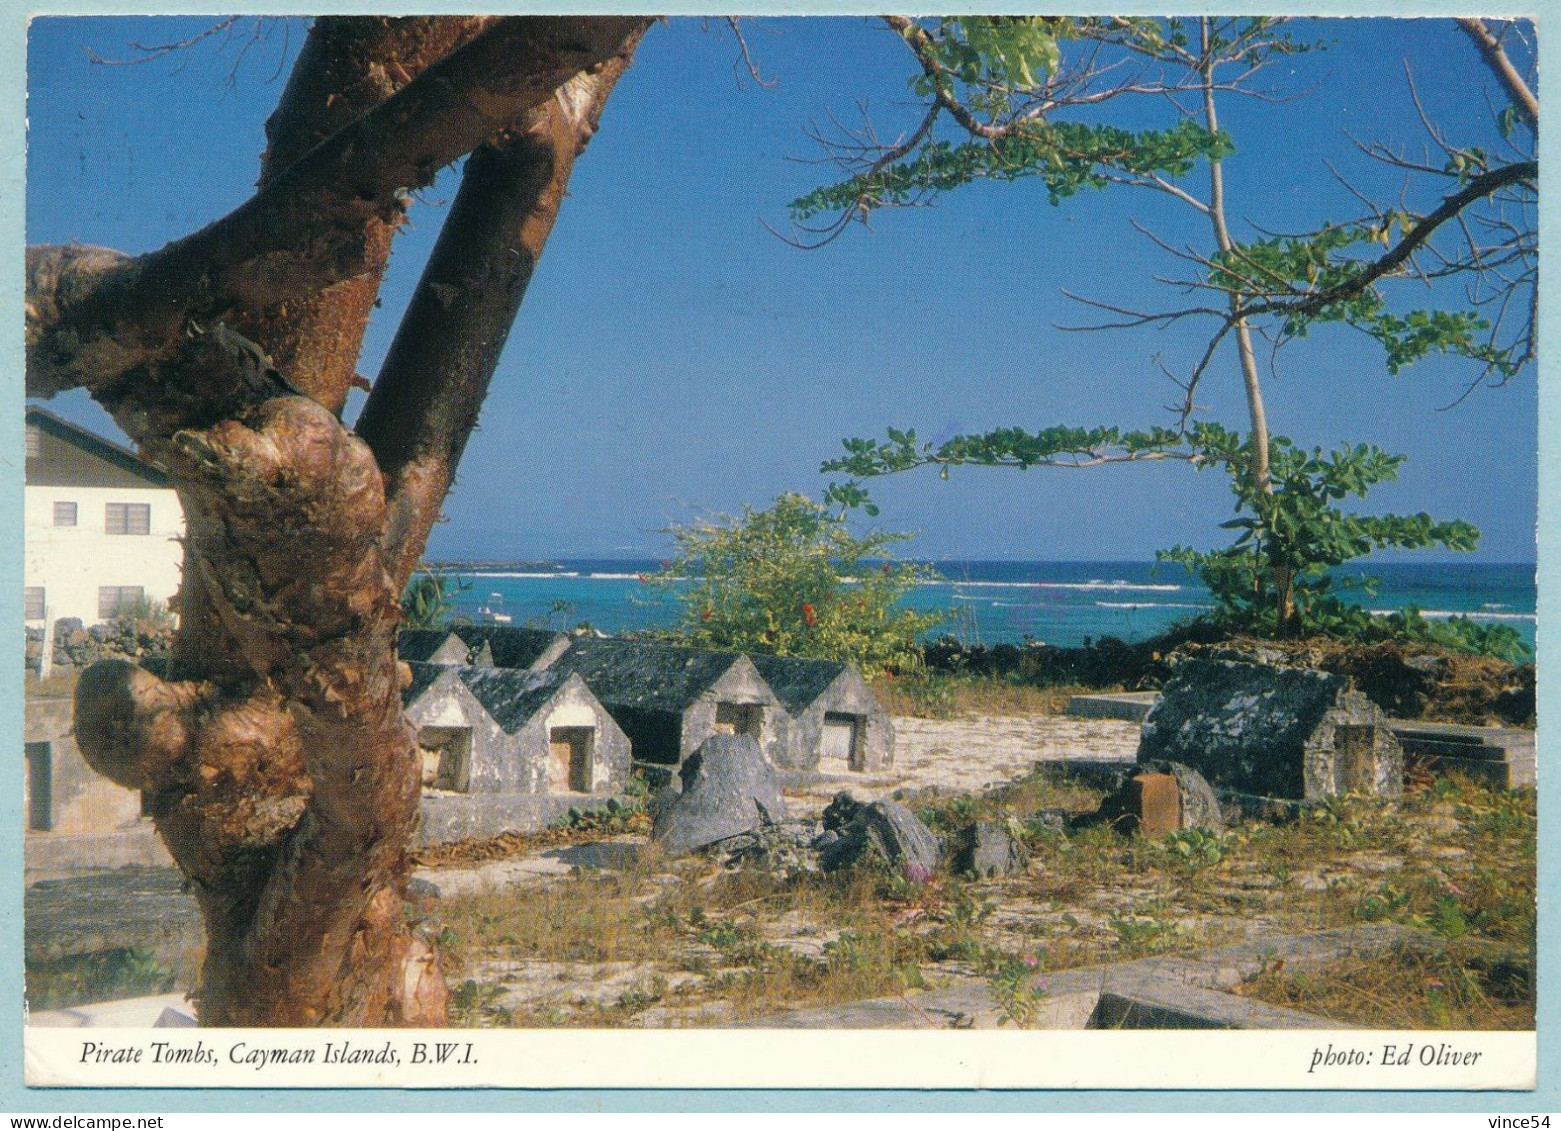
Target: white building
x=102 y=526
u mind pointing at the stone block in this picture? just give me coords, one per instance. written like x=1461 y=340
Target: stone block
x=1155 y=805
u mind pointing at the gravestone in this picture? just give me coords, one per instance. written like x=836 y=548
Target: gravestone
x=1273 y=732
x=1156 y=803
x=986 y=850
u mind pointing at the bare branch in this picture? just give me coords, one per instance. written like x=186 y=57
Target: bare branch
x=149 y=52
x=746 y=57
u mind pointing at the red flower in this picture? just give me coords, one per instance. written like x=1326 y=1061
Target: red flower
x=707 y=614
x=809 y=615
x=643 y=579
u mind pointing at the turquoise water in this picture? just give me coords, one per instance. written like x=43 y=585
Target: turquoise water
x=993 y=602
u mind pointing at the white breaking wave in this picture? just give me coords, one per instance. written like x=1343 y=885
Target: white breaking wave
x=1150 y=605
x=539 y=576
x=1445 y=614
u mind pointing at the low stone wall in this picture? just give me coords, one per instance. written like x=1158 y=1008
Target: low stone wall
x=448 y=817
x=47 y=855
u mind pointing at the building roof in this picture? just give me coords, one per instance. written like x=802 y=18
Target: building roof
x=115 y=455
x=797 y=682
x=418 y=645
x=511 y=646
x=512 y=696
x=636 y=673
x=423 y=677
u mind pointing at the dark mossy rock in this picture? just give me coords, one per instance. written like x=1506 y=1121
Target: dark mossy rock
x=889 y=832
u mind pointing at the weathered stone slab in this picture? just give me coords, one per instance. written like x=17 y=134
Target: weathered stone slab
x=725 y=788
x=448 y=817
x=1273 y=732
x=163 y=1011
x=126 y=907
x=1129 y=705
x=1496 y=756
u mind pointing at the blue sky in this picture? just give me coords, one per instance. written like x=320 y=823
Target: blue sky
x=674 y=359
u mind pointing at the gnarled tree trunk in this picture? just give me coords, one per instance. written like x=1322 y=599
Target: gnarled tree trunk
x=279 y=768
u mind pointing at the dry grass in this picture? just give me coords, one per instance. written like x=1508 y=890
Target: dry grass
x=59 y=685
x=1462 y=987
x=692 y=942
x=938 y=695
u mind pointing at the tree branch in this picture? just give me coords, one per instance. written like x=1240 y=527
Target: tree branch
x=1496 y=58
x=305 y=230
x=348 y=65
x=436 y=375
x=1477 y=188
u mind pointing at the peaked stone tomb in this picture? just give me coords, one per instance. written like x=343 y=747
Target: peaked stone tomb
x=1272 y=731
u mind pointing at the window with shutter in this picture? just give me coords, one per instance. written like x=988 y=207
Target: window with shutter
x=128 y=518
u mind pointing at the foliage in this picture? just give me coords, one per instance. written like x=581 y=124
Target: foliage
x=1460 y=634
x=613 y=818
x=1193 y=849
x=1017 y=988
x=100 y=976
x=792 y=580
x=1274 y=578
x=1335 y=260
x=1004 y=98
x=142 y=616
x=430 y=599
x=1068 y=156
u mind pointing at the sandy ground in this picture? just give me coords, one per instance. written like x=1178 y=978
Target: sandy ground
x=969 y=755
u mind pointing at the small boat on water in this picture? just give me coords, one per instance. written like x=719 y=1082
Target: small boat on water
x=493 y=612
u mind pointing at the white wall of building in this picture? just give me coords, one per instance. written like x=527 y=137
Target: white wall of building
x=72 y=563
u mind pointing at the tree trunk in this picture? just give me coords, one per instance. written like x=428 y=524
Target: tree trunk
x=274 y=753
x=1257 y=414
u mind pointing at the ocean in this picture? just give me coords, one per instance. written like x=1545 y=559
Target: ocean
x=990 y=602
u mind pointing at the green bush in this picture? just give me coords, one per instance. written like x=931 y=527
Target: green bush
x=792 y=580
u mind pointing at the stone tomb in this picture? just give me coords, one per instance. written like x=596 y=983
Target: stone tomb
x=1273 y=732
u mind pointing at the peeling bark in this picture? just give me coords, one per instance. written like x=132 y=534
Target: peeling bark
x=347 y=66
